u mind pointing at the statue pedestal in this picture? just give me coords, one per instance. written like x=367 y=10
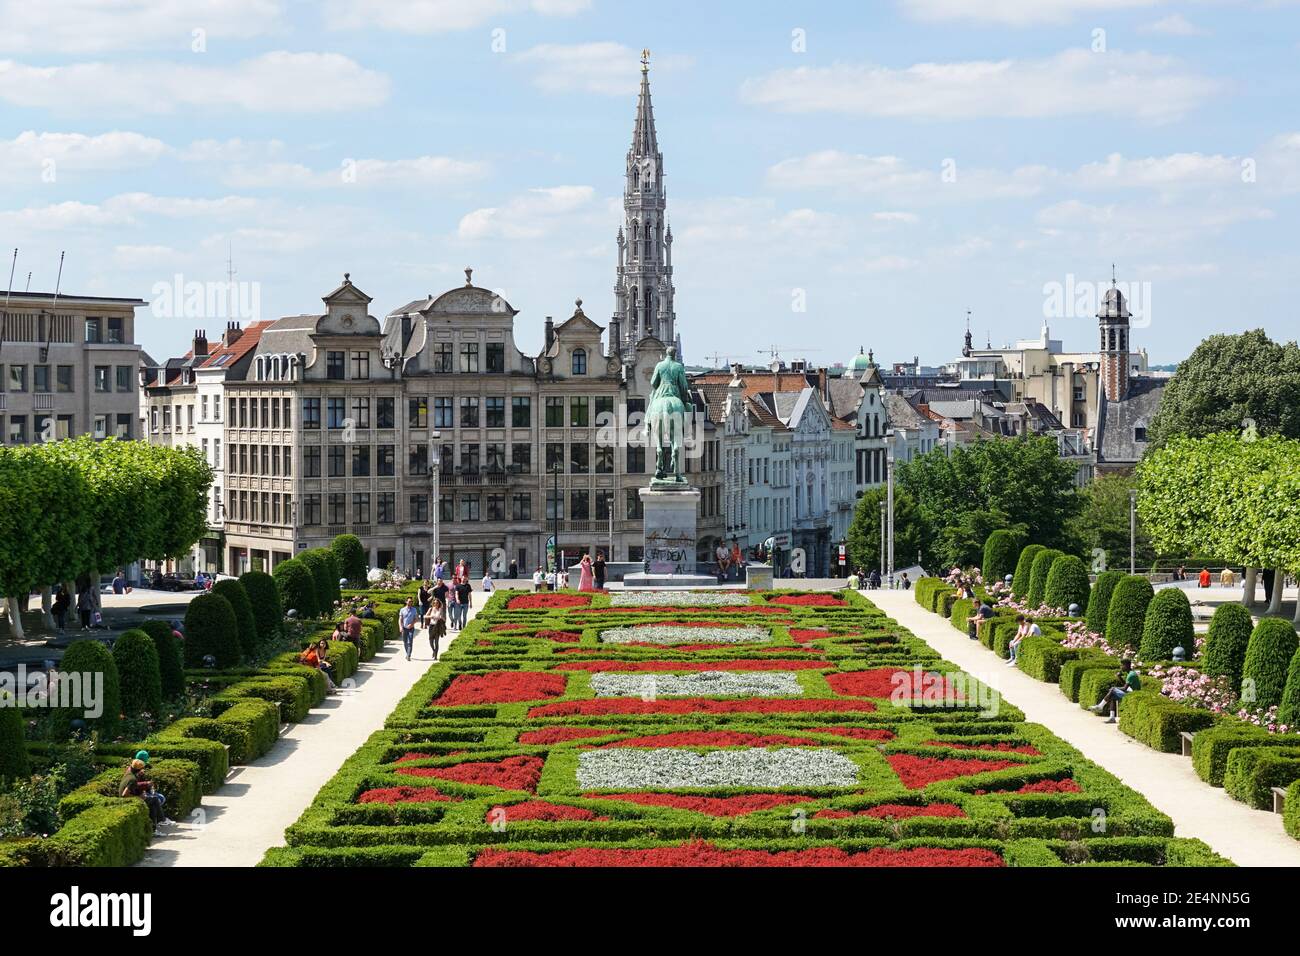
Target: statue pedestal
x=670 y=522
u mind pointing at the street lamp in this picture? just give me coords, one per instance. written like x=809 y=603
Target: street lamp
x=555 y=518
x=883 y=518
x=612 y=498
x=889 y=497
x=1132 y=530
x=435 y=495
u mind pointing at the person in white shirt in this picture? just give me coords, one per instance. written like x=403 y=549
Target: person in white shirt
x=487 y=581
x=550 y=580
x=1025 y=628
x=539 y=578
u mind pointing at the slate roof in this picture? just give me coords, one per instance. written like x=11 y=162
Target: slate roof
x=1116 y=421
x=901 y=412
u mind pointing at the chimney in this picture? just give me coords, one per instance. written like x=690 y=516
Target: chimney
x=550 y=333
x=233 y=332
x=200 y=346
x=822 y=385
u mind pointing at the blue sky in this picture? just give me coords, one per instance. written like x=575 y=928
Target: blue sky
x=839 y=174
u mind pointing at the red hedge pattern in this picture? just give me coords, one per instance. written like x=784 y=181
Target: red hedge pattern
x=404 y=795
x=699 y=705
x=547 y=600
x=807 y=600
x=501 y=687
x=749 y=664
x=512 y=773
x=713 y=738
x=711 y=806
x=916 y=772
x=555 y=735
x=538 y=810
x=701 y=853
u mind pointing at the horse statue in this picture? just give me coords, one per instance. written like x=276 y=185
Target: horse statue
x=665 y=417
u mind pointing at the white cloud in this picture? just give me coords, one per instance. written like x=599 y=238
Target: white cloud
x=889 y=264
x=428 y=172
x=876 y=175
x=1134 y=227
x=1017 y=12
x=438 y=16
x=24 y=157
x=532 y=215
x=273 y=82
x=607 y=68
x=908 y=218
x=1071 y=83
x=127 y=209
x=1174 y=170
x=97 y=26
x=1175 y=25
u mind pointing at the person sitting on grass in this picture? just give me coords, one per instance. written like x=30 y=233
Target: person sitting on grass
x=136 y=783
x=314 y=656
x=1126 y=682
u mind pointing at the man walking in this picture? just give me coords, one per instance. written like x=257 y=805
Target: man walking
x=408 y=618
x=598 y=568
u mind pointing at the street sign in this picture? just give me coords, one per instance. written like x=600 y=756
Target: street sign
x=844 y=554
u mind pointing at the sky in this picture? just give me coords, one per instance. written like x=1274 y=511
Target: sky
x=840 y=175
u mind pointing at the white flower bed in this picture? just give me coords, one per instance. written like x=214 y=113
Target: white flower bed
x=703 y=684
x=629 y=768
x=677 y=599
x=667 y=634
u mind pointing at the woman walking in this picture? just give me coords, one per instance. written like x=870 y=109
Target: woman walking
x=436 y=622
x=586 y=580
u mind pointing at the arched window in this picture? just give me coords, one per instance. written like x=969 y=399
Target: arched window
x=636 y=177
x=261 y=369
x=636 y=305
x=579 y=361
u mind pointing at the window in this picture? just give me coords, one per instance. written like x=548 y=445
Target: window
x=361 y=461
x=417 y=462
x=361 y=412
x=419 y=509
x=496 y=357
x=604 y=410
x=604 y=459
x=63 y=427
x=234 y=459
x=124 y=431
x=495 y=411
x=554 y=455
x=252 y=412
x=521 y=507
x=101 y=378
x=635 y=406
x=442 y=357
x=521 y=411
x=634 y=504
x=17 y=378
x=288 y=460
x=116 y=333
x=1139 y=433
x=444 y=415
x=275 y=413
x=554 y=505
x=94 y=331
x=469 y=411
x=385 y=461
x=579 y=458
x=335 y=412
x=266 y=460
x=578 y=408
x=603 y=501
x=311 y=413
x=386 y=412
x=311 y=509
x=636 y=459
x=361 y=365
x=337 y=461
x=334 y=367
x=40 y=378
x=521 y=457
x=579 y=361
x=338 y=508
x=554 y=411
x=446 y=507
x=469 y=459
x=63 y=378
x=496 y=507
x=579 y=505
x=469 y=508
x=265 y=405
x=361 y=508
x=417 y=412
x=167 y=418
x=17 y=433
x=495 y=457
x=469 y=357
x=288 y=418
x=386 y=508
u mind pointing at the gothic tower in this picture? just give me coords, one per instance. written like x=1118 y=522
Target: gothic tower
x=1113 y=319
x=643 y=286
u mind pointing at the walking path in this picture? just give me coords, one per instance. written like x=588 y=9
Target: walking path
x=249 y=813
x=1246 y=836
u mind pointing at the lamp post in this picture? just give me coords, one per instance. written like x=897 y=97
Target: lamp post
x=611 y=498
x=889 y=497
x=555 y=517
x=883 y=518
x=435 y=495
x=1132 y=530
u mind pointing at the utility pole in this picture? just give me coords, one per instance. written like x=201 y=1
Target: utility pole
x=889 y=471
x=1132 y=530
x=883 y=518
x=435 y=497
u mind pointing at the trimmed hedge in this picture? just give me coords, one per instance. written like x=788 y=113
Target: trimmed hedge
x=1038 y=573
x=1158 y=722
x=351 y=558
x=112 y=832
x=249 y=727
x=1168 y=625
x=171 y=652
x=14 y=764
x=1291 y=812
x=1210 y=748
x=90 y=657
x=1099 y=603
x=325 y=576
x=245 y=624
x=1024 y=570
x=1072 y=671
x=1253 y=772
x=297 y=588
x=264 y=600
x=1000 y=555
x=1268 y=657
x=1042 y=658
x=180 y=781
x=1226 y=643
x=211 y=629
x=139 y=673
x=1288 y=711
x=1067 y=583
x=1128 y=611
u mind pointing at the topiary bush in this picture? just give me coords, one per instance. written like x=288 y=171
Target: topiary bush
x=139 y=673
x=211 y=629
x=1268 y=657
x=264 y=598
x=171 y=657
x=1041 y=567
x=246 y=625
x=324 y=575
x=1168 y=625
x=1000 y=555
x=1067 y=583
x=1225 y=644
x=351 y=558
x=1099 y=602
x=1288 y=712
x=1128 y=611
x=14 y=764
x=297 y=587
x=1024 y=570
x=87 y=657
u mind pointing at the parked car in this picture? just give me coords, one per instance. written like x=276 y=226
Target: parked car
x=175 y=582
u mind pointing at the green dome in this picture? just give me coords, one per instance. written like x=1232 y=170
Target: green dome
x=861 y=362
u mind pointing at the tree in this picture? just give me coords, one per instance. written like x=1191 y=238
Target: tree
x=1168 y=625
x=1268 y=658
x=14 y=764
x=1226 y=642
x=1042 y=566
x=1024 y=570
x=1128 y=611
x=297 y=587
x=211 y=631
x=90 y=663
x=264 y=597
x=864 y=532
x=1067 y=583
x=1228 y=382
x=1103 y=524
x=139 y=673
x=324 y=575
x=350 y=554
x=961 y=542
x=245 y=623
x=1099 y=603
x=171 y=664
x=1288 y=712
x=1000 y=552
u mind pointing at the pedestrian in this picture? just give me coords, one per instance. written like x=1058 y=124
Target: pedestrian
x=488 y=584
x=437 y=624
x=1024 y=628
x=423 y=596
x=514 y=569
x=352 y=630
x=85 y=607
x=539 y=578
x=440 y=589
x=62 y=602
x=551 y=579
x=1127 y=681
x=462 y=590
x=1227 y=578
x=907 y=583
x=737 y=559
x=408 y=618
x=723 y=557
x=586 y=579
x=1204 y=578
x=315 y=657
x=598 y=569
x=119 y=582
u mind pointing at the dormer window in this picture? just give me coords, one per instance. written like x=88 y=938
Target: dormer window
x=1139 y=433
x=579 y=361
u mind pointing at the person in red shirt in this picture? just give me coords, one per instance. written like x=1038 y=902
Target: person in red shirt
x=352 y=628
x=1205 y=577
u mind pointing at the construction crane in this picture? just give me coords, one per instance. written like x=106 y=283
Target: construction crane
x=718 y=360
x=773 y=352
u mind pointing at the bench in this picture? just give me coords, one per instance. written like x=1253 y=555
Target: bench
x=1279 y=799
x=1187 y=736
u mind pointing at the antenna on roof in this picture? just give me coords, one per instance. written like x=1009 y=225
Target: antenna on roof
x=8 y=293
x=230 y=279
x=29 y=283
x=58 y=282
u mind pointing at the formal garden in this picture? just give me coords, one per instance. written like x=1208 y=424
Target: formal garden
x=771 y=728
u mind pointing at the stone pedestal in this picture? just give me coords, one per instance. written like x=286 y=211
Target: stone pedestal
x=670 y=523
x=758 y=577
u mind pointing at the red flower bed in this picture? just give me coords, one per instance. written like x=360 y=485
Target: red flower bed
x=897 y=811
x=404 y=795
x=857 y=733
x=751 y=664
x=807 y=600
x=512 y=773
x=675 y=647
x=483 y=643
x=702 y=609
x=539 y=810
x=509 y=627
x=501 y=687
x=712 y=806
x=555 y=735
x=1066 y=785
x=808 y=635
x=916 y=772
x=562 y=637
x=414 y=755
x=1002 y=747
x=881 y=682
x=547 y=600
x=701 y=853
x=699 y=705
x=712 y=738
